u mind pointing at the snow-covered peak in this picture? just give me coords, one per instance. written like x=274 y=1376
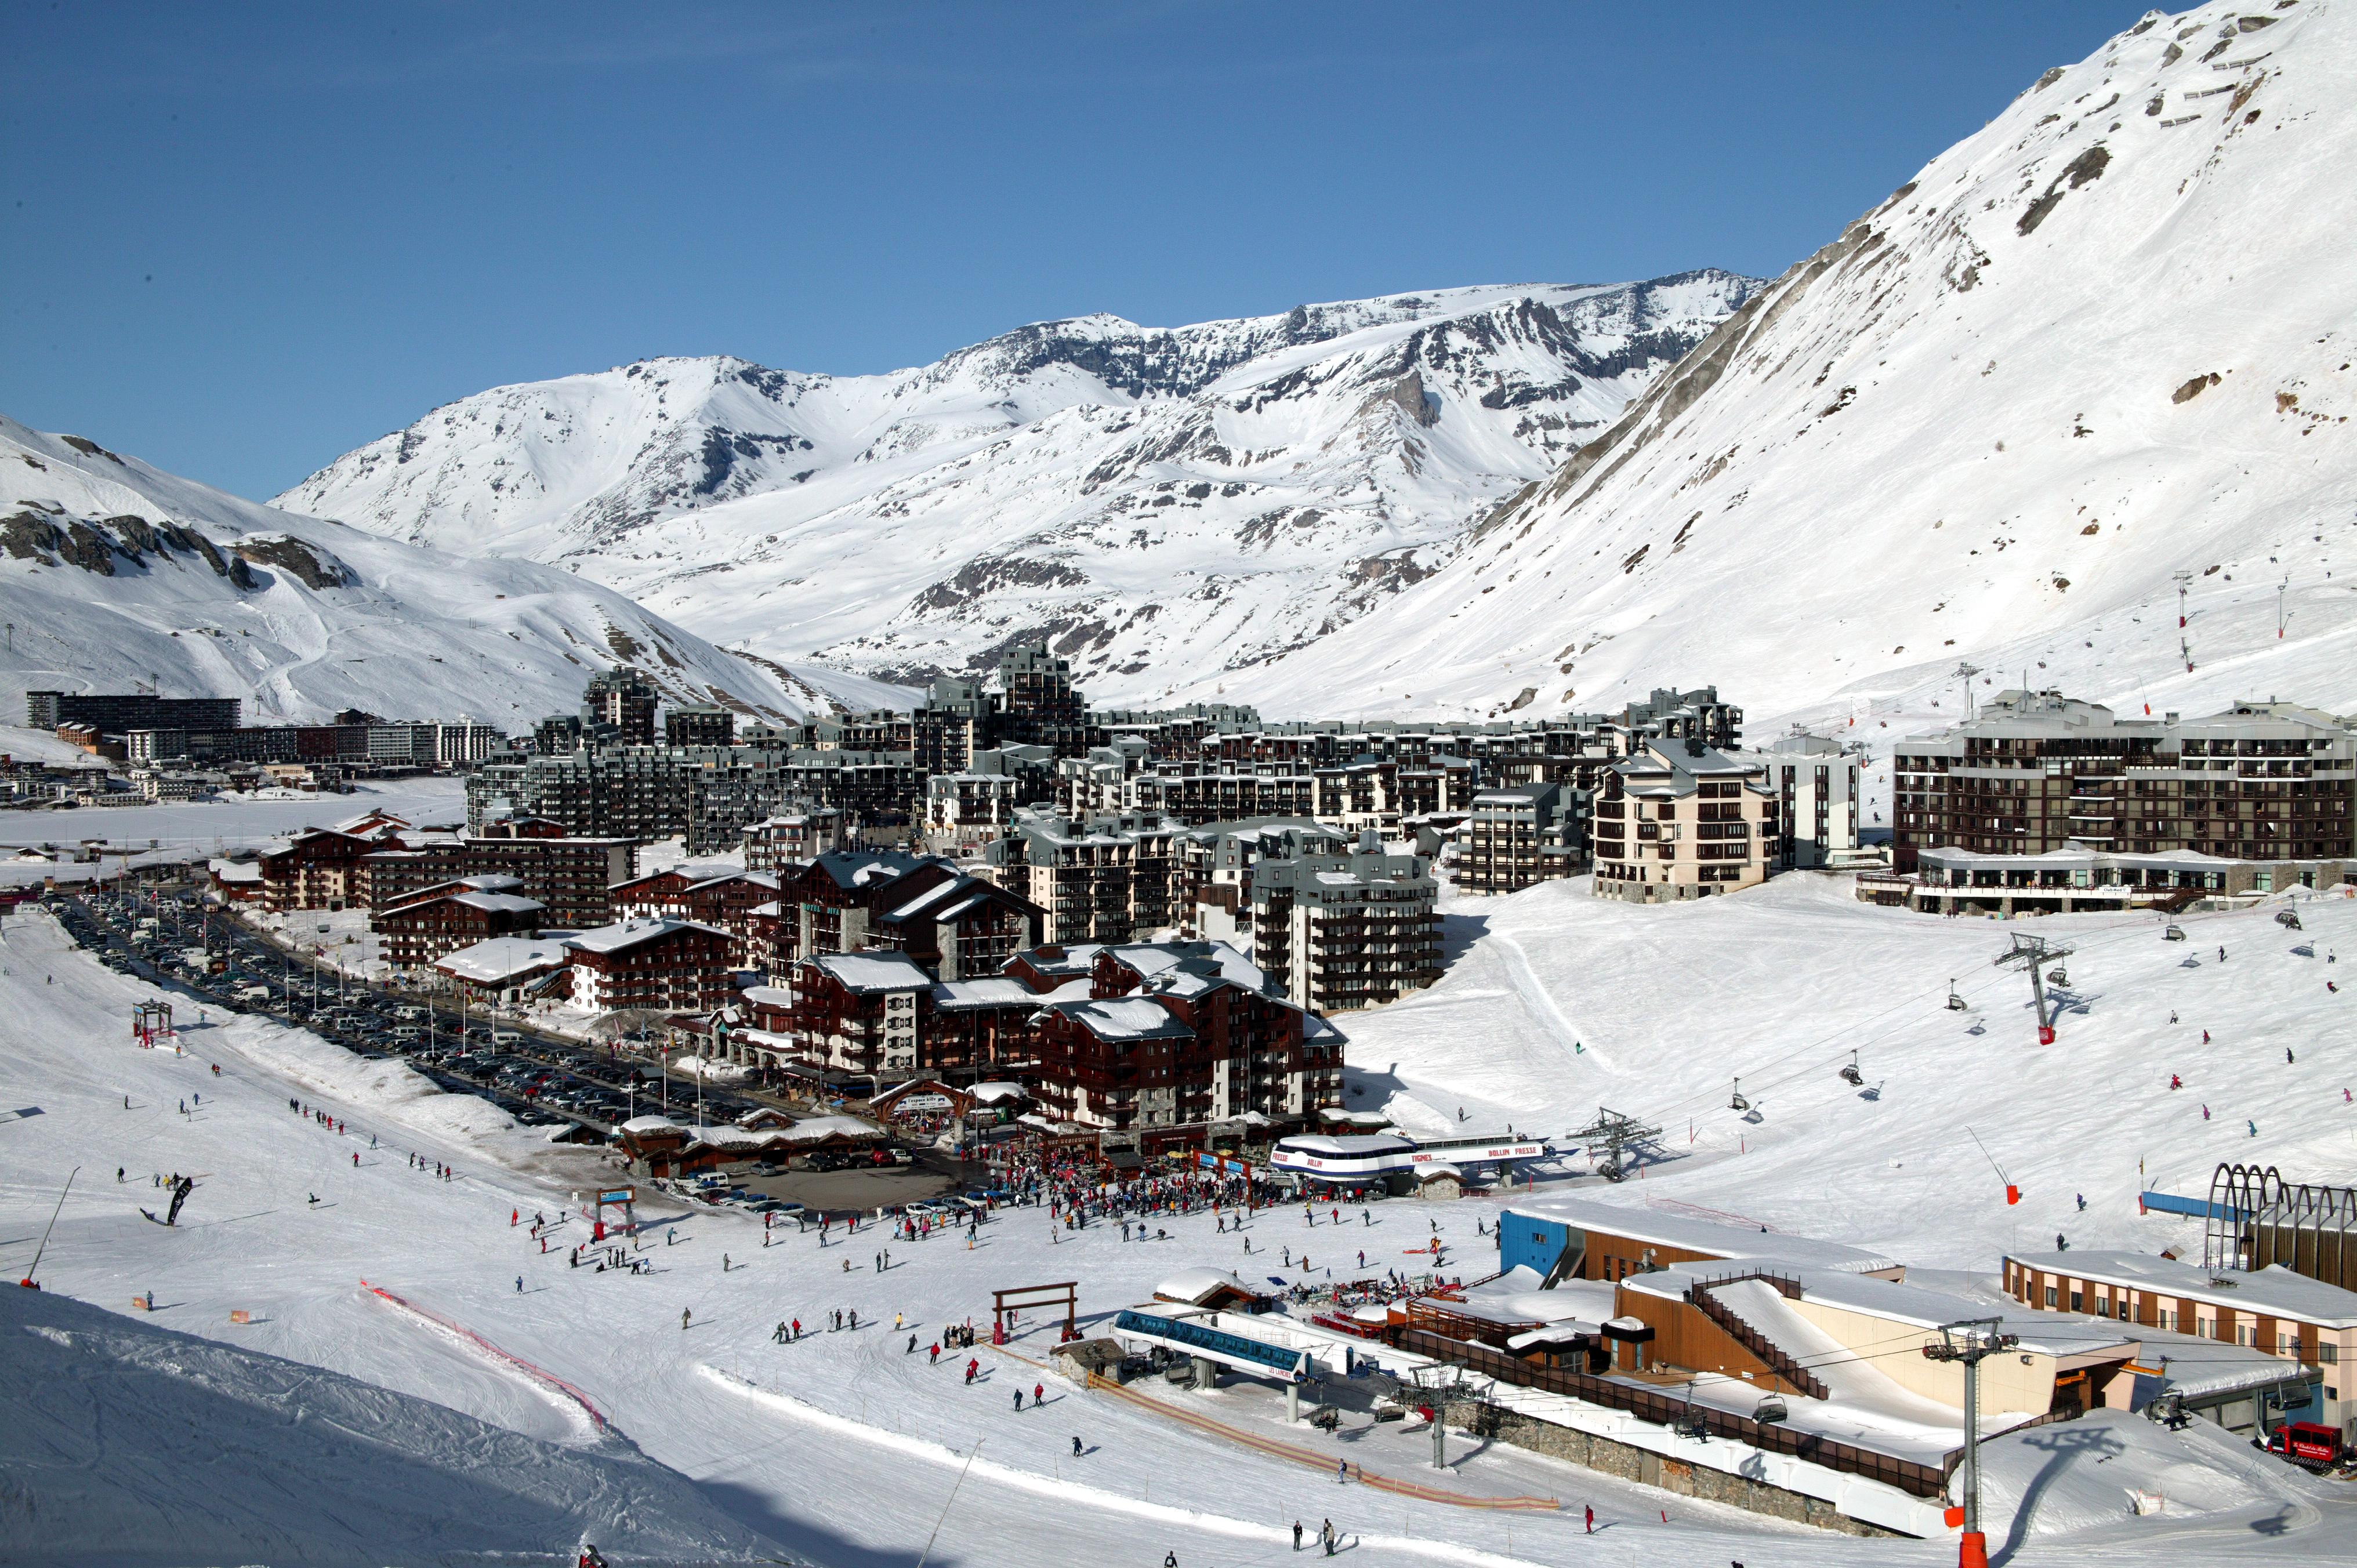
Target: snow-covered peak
x=2103 y=340
x=1176 y=500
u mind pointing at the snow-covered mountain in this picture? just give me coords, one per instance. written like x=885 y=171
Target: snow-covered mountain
x=2107 y=340
x=114 y=572
x=1167 y=505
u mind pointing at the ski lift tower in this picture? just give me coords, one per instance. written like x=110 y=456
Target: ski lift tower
x=1964 y=674
x=2034 y=954
x=1972 y=1342
x=1437 y=1381
x=1617 y=1134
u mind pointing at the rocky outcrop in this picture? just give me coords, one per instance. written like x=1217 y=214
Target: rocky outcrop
x=308 y=564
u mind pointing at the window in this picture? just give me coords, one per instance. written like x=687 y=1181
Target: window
x=2327 y=1354
x=2050 y=1297
x=2077 y=1301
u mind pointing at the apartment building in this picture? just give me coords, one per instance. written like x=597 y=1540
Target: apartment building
x=569 y=877
x=1518 y=836
x=624 y=701
x=2038 y=771
x=1107 y=879
x=778 y=842
x=1346 y=931
x=1178 y=1036
x=438 y=922
x=1680 y=819
x=649 y=961
x=1816 y=784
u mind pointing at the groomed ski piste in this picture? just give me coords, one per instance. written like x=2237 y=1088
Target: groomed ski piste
x=846 y=1449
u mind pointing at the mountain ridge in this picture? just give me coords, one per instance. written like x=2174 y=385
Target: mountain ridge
x=1155 y=502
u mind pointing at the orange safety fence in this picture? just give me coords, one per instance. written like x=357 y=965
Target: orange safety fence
x=469 y=1334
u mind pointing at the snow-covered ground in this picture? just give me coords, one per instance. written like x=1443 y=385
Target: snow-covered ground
x=181 y=829
x=848 y=1449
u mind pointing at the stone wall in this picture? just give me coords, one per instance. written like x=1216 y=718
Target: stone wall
x=1642 y=1464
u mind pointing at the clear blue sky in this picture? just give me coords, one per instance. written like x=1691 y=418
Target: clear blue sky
x=240 y=239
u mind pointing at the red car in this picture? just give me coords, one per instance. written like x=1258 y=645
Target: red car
x=2307 y=1441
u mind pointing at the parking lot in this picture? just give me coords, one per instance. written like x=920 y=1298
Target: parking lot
x=169 y=937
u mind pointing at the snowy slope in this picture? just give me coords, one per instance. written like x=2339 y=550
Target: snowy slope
x=1167 y=504
x=2107 y=339
x=114 y=572
x=131 y=1443
x=847 y=1448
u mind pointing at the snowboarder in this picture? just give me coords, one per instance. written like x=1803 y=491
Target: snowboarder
x=1076 y=1447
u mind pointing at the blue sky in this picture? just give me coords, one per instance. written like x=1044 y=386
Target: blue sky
x=241 y=240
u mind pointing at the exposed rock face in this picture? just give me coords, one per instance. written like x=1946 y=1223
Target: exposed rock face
x=310 y=566
x=96 y=544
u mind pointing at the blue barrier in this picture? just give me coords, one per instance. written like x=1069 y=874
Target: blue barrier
x=1275 y=1358
x=2197 y=1208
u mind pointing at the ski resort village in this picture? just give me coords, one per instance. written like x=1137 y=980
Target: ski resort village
x=1678 y=922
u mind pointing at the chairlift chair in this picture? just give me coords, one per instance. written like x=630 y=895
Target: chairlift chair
x=1771 y=1411
x=1850 y=1075
x=2058 y=975
x=1738 y=1102
x=2288 y=919
x=1956 y=1003
x=2175 y=933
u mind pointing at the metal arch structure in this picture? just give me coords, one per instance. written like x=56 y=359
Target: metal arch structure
x=2257 y=1219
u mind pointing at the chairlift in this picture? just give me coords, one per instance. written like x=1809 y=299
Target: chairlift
x=1850 y=1075
x=1690 y=1422
x=2058 y=975
x=1738 y=1102
x=1956 y=1003
x=2175 y=933
x=2288 y=919
x=1771 y=1411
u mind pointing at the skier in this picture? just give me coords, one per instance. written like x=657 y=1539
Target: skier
x=1297 y=1535
x=912 y=1345
x=2175 y=1081
x=589 y=1557
x=683 y=1319
x=1038 y=1395
x=971 y=1367
x=2288 y=1056
x=1076 y=1447
x=1018 y=1401
x=2205 y=1037
x=1341 y=1472
x=778 y=1336
x=1591 y=1519
x=933 y=1355
x=2255 y=1129
x=519 y=1284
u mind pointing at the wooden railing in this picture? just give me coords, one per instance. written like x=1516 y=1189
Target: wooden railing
x=1771 y=1355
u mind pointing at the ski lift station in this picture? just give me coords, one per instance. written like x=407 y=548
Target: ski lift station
x=1393 y=1161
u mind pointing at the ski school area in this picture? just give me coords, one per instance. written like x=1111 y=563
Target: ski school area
x=1189 y=1384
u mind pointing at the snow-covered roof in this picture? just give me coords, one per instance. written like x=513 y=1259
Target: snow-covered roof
x=1196 y=1286
x=651 y=1123
x=235 y=870
x=496 y=903
x=2273 y=1290
x=768 y=996
x=1125 y=1018
x=631 y=933
x=875 y=971
x=1710 y=1236
x=502 y=958
x=990 y=1093
x=1349 y=1145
